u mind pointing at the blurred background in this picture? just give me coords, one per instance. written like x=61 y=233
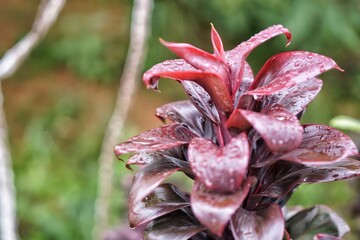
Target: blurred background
x=59 y=102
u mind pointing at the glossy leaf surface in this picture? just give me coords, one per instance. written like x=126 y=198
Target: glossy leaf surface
x=161 y=138
x=316 y=220
x=151 y=177
x=287 y=69
x=164 y=199
x=279 y=128
x=237 y=56
x=214 y=209
x=174 y=226
x=283 y=176
x=220 y=169
x=296 y=98
x=322 y=144
x=264 y=224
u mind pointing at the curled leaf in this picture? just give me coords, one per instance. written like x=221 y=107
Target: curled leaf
x=214 y=209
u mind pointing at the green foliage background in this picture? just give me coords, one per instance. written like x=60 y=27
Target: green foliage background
x=58 y=103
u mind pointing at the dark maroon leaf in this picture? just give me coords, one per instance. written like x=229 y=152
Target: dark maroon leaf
x=151 y=177
x=283 y=176
x=322 y=144
x=214 y=209
x=287 y=69
x=180 y=70
x=164 y=199
x=296 y=98
x=237 y=56
x=264 y=224
x=221 y=169
x=280 y=129
x=164 y=137
x=201 y=100
x=142 y=158
x=319 y=220
x=217 y=43
x=173 y=226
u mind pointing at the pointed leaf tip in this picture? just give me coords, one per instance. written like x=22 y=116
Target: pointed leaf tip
x=217 y=44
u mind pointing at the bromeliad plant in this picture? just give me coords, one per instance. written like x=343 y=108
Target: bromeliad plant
x=239 y=139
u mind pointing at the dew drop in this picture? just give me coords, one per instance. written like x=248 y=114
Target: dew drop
x=179 y=62
x=297 y=64
x=166 y=63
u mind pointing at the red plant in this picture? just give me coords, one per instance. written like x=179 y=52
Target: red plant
x=239 y=138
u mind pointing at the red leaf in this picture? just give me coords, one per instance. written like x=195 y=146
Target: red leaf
x=217 y=43
x=322 y=145
x=287 y=69
x=180 y=70
x=237 y=56
x=220 y=169
x=200 y=59
x=280 y=129
x=213 y=209
x=164 y=137
x=264 y=224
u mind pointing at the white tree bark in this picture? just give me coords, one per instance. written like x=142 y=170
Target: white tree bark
x=140 y=29
x=47 y=13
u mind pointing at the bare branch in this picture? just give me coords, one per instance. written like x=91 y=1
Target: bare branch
x=46 y=15
x=140 y=29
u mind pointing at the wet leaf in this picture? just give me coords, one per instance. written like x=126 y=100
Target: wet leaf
x=237 y=56
x=264 y=224
x=221 y=169
x=279 y=128
x=287 y=69
x=214 y=209
x=180 y=70
x=283 y=176
x=296 y=98
x=322 y=144
x=151 y=176
x=164 y=137
x=173 y=226
x=318 y=220
x=164 y=199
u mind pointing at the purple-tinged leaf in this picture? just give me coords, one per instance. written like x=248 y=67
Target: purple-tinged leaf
x=221 y=169
x=318 y=220
x=214 y=209
x=240 y=100
x=296 y=98
x=237 y=56
x=237 y=120
x=280 y=129
x=287 y=69
x=283 y=176
x=180 y=70
x=217 y=43
x=321 y=145
x=173 y=226
x=164 y=137
x=263 y=224
x=151 y=176
x=164 y=199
